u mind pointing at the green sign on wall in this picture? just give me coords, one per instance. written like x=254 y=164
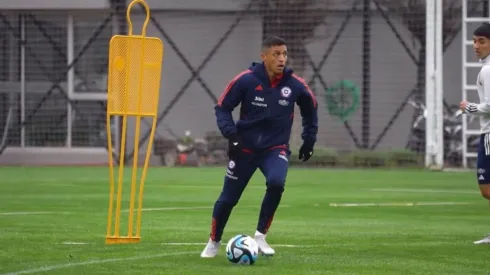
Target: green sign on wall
x=342 y=99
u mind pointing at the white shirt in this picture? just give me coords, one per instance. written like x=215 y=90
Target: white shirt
x=483 y=108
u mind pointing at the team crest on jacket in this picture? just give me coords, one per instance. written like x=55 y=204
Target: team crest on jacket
x=285 y=91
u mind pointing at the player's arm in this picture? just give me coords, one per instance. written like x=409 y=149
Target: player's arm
x=309 y=112
x=484 y=107
x=227 y=102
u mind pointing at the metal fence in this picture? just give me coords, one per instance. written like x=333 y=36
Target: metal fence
x=364 y=59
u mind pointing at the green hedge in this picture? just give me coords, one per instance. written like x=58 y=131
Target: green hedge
x=360 y=158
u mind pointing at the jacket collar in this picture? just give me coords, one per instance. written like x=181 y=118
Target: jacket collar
x=259 y=70
x=485 y=60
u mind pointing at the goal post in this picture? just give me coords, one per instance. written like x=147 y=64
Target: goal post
x=434 y=150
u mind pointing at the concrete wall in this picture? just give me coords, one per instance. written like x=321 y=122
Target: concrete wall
x=52 y=4
x=212 y=5
x=223 y=5
x=195 y=39
x=393 y=75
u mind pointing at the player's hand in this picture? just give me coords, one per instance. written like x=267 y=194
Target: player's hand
x=462 y=105
x=234 y=147
x=306 y=151
x=468 y=107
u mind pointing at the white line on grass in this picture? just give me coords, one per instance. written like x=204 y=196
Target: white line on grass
x=172 y=208
x=93 y=262
x=457 y=170
x=398 y=204
x=190 y=244
x=204 y=186
x=74 y=183
x=202 y=244
x=353 y=244
x=31 y=213
x=424 y=190
x=74 y=243
x=127 y=210
x=193 y=208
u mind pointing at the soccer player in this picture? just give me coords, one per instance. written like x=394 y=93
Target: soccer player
x=481 y=44
x=267 y=93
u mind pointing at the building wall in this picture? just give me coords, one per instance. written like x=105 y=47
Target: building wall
x=392 y=76
x=223 y=5
x=213 y=5
x=195 y=39
x=195 y=32
x=52 y=4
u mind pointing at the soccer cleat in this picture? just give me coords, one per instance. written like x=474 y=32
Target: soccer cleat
x=485 y=240
x=211 y=249
x=264 y=247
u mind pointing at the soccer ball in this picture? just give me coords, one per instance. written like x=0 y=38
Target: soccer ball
x=242 y=249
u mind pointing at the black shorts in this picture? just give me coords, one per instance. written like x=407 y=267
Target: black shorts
x=483 y=161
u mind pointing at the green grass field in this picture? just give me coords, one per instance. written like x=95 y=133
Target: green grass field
x=53 y=221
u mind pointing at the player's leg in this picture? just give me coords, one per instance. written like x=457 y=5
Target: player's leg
x=274 y=166
x=236 y=179
x=483 y=174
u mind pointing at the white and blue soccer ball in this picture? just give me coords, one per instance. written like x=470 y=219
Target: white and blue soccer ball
x=242 y=249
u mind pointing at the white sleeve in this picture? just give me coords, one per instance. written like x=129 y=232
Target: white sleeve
x=483 y=107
